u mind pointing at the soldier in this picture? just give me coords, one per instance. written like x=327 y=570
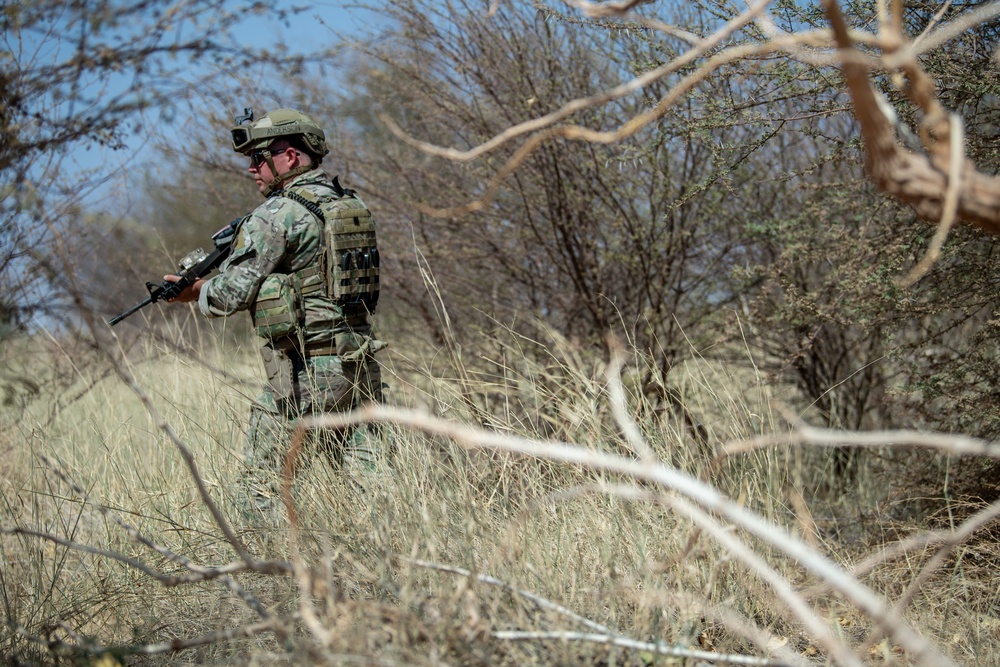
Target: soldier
x=305 y=265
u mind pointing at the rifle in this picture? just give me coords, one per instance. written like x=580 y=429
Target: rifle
x=196 y=264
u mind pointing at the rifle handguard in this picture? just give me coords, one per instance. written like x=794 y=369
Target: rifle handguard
x=196 y=264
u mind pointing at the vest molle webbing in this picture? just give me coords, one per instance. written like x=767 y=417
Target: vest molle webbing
x=352 y=260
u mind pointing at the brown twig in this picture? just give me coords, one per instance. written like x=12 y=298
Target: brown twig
x=699 y=492
x=186 y=456
x=920 y=180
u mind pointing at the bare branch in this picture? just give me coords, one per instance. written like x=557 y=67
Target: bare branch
x=535 y=599
x=83 y=645
x=199 y=573
x=946 y=539
x=797 y=604
x=808 y=435
x=304 y=577
x=780 y=584
x=659 y=648
x=732 y=620
x=921 y=181
x=950 y=540
x=952 y=29
x=701 y=493
x=633 y=435
x=950 y=205
x=166 y=580
x=607 y=9
x=580 y=133
x=182 y=448
x=570 y=108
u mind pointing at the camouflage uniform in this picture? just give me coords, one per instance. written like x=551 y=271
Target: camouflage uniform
x=336 y=372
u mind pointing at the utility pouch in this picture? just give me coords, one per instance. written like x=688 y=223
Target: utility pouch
x=279 y=371
x=277 y=312
x=348 y=344
x=352 y=253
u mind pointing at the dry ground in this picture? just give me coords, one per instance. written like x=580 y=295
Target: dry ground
x=463 y=551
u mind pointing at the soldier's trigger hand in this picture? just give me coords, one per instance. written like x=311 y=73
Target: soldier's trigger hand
x=189 y=293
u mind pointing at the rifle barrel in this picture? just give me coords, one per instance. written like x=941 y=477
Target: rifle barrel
x=118 y=318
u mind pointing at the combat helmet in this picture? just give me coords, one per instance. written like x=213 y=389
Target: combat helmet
x=279 y=124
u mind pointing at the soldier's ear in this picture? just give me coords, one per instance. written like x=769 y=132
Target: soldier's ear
x=302 y=158
x=294 y=157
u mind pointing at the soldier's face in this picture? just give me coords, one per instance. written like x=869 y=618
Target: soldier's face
x=283 y=158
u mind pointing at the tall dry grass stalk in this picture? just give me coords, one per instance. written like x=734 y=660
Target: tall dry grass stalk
x=579 y=523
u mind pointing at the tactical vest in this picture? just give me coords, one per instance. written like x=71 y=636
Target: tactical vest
x=346 y=269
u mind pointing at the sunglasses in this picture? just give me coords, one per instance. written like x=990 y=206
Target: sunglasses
x=259 y=157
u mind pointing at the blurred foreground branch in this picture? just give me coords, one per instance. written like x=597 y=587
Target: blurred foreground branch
x=688 y=487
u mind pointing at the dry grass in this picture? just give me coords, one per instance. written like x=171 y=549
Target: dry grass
x=464 y=541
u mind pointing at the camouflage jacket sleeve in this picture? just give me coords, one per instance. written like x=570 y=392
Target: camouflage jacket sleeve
x=258 y=249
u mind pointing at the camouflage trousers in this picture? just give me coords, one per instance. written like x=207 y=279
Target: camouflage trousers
x=309 y=387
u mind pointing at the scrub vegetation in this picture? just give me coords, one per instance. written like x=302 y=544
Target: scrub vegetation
x=693 y=358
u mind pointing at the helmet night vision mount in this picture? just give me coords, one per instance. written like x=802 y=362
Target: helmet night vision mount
x=275 y=125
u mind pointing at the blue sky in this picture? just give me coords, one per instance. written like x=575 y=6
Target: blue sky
x=111 y=172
